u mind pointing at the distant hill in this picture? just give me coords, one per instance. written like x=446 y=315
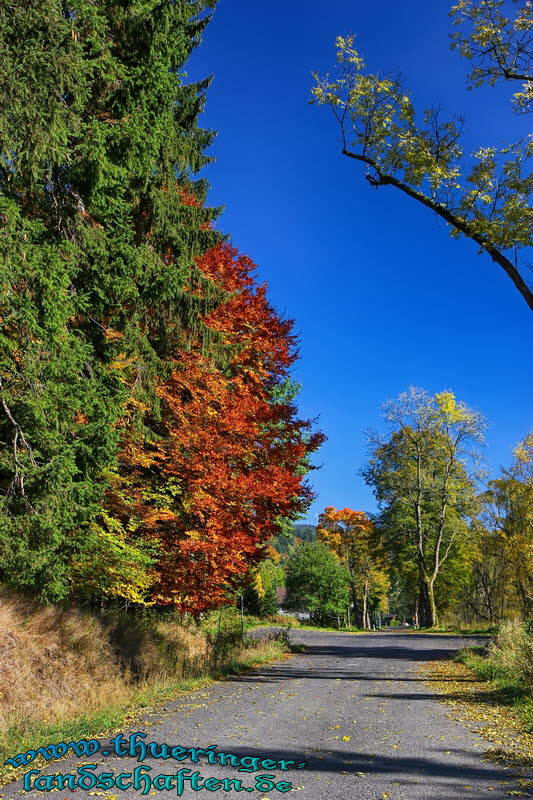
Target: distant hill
x=285 y=542
x=307 y=533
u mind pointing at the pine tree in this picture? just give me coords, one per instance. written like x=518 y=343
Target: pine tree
x=98 y=237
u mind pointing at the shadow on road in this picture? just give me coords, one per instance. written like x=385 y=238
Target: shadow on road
x=262 y=676
x=313 y=662
x=403 y=770
x=394 y=653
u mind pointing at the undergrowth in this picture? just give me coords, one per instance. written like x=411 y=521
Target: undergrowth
x=230 y=619
x=56 y=662
x=507 y=662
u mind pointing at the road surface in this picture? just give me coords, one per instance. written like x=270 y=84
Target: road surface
x=352 y=708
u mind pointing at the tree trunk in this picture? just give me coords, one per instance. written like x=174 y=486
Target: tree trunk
x=426 y=604
x=357 y=614
x=432 y=606
x=426 y=595
x=365 y=607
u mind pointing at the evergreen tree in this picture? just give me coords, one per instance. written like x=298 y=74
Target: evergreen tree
x=269 y=603
x=100 y=225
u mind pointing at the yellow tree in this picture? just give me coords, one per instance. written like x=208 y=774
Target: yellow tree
x=511 y=515
x=486 y=198
x=424 y=479
x=348 y=534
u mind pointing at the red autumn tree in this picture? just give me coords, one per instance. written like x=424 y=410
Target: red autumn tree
x=226 y=460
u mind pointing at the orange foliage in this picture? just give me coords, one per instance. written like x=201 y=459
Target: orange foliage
x=227 y=460
x=343 y=528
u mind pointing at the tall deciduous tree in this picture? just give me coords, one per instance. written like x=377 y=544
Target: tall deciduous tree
x=424 y=480
x=98 y=137
x=499 y=582
x=486 y=199
x=510 y=518
x=209 y=481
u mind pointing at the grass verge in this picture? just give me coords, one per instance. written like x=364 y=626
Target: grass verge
x=325 y=629
x=505 y=665
x=487 y=690
x=56 y=662
x=456 y=630
x=465 y=630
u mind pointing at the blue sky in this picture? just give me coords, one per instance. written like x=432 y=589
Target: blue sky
x=381 y=296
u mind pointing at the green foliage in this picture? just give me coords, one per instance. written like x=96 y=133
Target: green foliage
x=486 y=199
x=252 y=602
x=316 y=581
x=511 y=517
x=97 y=246
x=498 y=44
x=272 y=574
x=286 y=541
x=423 y=478
x=501 y=579
x=307 y=533
x=110 y=566
x=260 y=597
x=269 y=603
x=262 y=607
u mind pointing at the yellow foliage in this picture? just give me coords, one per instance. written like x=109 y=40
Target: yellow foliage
x=258 y=585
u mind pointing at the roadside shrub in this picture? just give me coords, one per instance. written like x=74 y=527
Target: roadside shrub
x=511 y=652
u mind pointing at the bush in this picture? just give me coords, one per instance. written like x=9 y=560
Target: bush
x=316 y=581
x=511 y=653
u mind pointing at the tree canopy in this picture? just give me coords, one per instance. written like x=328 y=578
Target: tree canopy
x=316 y=581
x=485 y=197
x=150 y=444
x=99 y=139
x=424 y=479
x=348 y=534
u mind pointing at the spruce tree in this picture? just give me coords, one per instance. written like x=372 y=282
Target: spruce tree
x=269 y=603
x=98 y=236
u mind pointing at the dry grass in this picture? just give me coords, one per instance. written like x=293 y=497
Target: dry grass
x=511 y=653
x=52 y=664
x=65 y=672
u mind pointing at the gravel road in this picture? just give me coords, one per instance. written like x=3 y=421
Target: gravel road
x=352 y=707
